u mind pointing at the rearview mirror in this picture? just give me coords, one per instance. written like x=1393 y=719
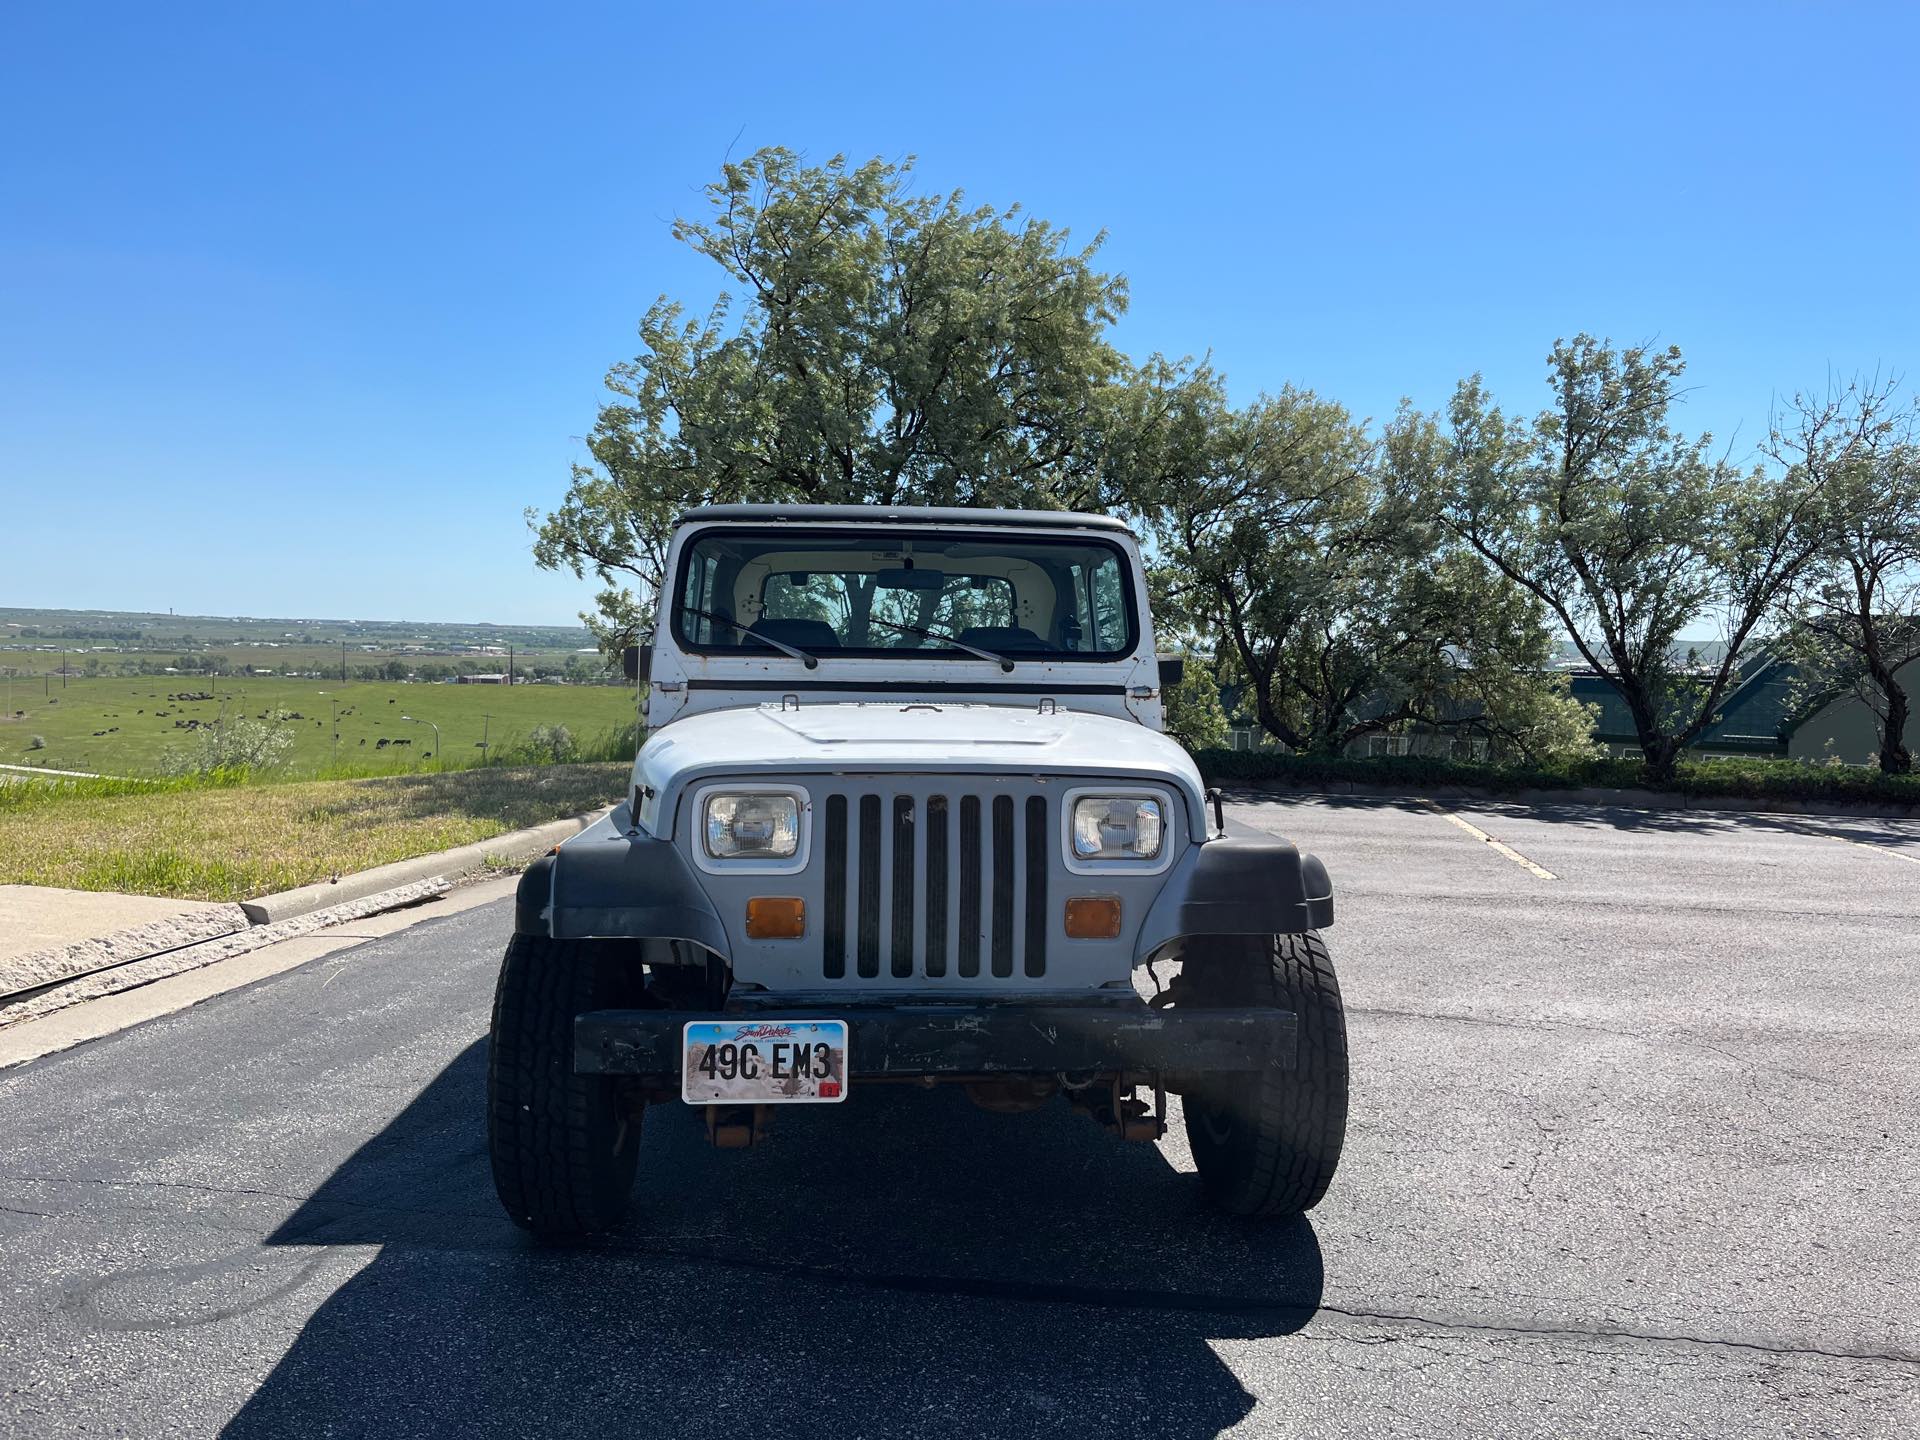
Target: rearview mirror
x=1173 y=669
x=637 y=661
x=909 y=580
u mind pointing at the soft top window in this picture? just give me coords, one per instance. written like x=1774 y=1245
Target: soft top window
x=874 y=593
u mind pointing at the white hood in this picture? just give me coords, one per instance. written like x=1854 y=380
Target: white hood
x=921 y=738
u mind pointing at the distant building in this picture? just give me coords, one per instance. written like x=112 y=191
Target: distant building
x=1755 y=718
x=1846 y=729
x=495 y=679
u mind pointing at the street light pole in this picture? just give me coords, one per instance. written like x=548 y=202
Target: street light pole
x=438 y=753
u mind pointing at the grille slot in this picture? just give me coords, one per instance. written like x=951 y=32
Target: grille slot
x=902 y=885
x=1036 y=956
x=926 y=892
x=834 y=933
x=970 y=886
x=1003 y=885
x=936 y=963
x=869 y=886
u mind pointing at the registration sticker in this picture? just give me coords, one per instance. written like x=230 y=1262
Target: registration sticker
x=764 y=1062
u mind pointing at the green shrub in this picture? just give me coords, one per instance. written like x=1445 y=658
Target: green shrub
x=1746 y=779
x=239 y=744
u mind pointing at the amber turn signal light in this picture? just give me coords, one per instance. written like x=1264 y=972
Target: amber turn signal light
x=776 y=917
x=1093 y=917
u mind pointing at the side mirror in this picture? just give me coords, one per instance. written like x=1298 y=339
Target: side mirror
x=637 y=661
x=1173 y=669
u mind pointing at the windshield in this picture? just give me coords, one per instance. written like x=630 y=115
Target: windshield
x=878 y=593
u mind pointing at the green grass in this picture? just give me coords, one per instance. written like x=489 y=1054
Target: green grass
x=1745 y=779
x=124 y=726
x=231 y=842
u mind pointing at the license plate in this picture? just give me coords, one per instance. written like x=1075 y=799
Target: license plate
x=764 y=1062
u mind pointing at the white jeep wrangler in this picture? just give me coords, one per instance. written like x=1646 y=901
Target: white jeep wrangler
x=905 y=814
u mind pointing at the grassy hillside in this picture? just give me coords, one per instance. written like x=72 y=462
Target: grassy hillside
x=124 y=726
x=235 y=843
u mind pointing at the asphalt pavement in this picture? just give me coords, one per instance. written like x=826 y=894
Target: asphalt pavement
x=1631 y=1153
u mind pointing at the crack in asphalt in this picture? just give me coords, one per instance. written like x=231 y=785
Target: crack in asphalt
x=1291 y=1315
x=328 y=1203
x=1684 y=1041
x=98 y=1182
x=1295 y=1314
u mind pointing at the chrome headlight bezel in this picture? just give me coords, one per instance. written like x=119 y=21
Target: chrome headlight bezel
x=1114 y=861
x=761 y=862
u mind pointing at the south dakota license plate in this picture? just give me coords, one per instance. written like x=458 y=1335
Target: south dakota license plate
x=764 y=1062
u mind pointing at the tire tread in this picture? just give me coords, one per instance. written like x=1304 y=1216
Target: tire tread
x=545 y=1124
x=1293 y=1123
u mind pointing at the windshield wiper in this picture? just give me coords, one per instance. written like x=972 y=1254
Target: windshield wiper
x=812 y=662
x=1002 y=661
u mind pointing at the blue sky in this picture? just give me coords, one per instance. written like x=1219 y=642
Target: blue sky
x=300 y=307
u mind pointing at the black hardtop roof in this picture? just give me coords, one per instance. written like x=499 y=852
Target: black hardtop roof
x=905 y=515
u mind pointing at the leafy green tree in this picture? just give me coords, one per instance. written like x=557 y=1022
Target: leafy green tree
x=1194 y=714
x=875 y=346
x=1854 y=616
x=1304 y=544
x=1626 y=530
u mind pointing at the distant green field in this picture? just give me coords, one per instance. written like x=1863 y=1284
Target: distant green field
x=124 y=726
x=287 y=658
x=34 y=641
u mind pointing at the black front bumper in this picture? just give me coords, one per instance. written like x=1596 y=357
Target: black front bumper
x=902 y=1041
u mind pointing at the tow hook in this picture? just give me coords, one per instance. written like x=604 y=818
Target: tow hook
x=735 y=1127
x=1114 y=1106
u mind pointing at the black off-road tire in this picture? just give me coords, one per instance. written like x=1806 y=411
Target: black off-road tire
x=564 y=1146
x=1267 y=1143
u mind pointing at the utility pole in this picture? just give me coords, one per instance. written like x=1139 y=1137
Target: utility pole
x=343 y=662
x=509 y=664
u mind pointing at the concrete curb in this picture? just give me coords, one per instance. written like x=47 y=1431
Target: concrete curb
x=168 y=963
x=446 y=864
x=1585 y=795
x=39 y=968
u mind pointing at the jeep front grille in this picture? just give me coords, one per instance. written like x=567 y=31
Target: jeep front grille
x=917 y=881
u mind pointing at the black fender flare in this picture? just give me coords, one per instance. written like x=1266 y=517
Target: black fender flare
x=1239 y=885
x=607 y=883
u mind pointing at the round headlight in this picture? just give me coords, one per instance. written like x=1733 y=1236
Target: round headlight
x=752 y=827
x=1116 y=827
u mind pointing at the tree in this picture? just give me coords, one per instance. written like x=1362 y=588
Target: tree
x=1626 y=531
x=889 y=348
x=1854 y=616
x=1193 y=713
x=1305 y=545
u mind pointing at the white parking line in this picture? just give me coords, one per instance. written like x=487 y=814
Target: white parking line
x=1539 y=871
